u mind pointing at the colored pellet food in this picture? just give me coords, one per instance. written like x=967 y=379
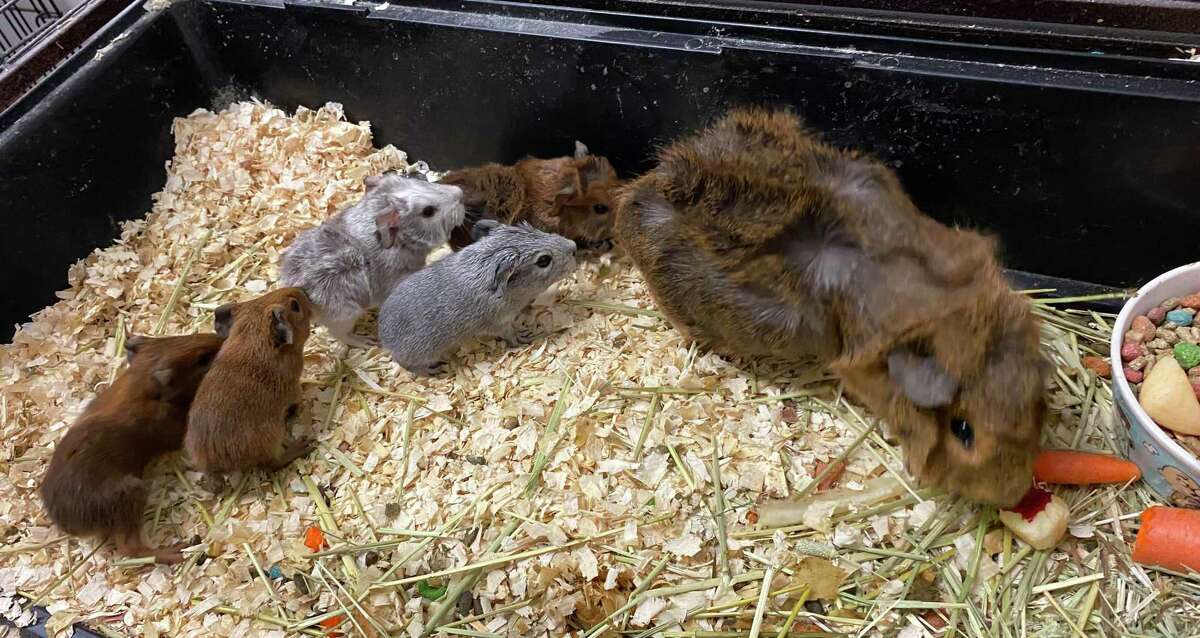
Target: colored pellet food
x=1187 y=354
x=1160 y=358
x=1180 y=317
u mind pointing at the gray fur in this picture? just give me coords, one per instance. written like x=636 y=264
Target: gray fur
x=477 y=291
x=350 y=263
x=921 y=379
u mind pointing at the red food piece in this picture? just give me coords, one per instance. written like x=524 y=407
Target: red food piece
x=934 y=620
x=752 y=517
x=1032 y=504
x=1099 y=365
x=330 y=623
x=314 y=538
x=1157 y=315
x=1191 y=301
x=1133 y=376
x=1131 y=351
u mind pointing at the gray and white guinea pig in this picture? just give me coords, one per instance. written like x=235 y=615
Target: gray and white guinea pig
x=477 y=291
x=757 y=239
x=350 y=263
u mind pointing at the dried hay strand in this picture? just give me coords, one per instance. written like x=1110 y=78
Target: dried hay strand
x=601 y=481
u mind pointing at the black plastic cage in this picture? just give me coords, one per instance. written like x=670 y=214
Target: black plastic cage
x=1069 y=128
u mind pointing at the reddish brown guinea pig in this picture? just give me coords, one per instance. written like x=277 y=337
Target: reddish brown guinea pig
x=238 y=421
x=571 y=196
x=757 y=239
x=93 y=485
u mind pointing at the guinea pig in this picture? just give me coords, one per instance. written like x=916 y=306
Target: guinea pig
x=238 y=421
x=571 y=196
x=477 y=291
x=755 y=238
x=93 y=485
x=350 y=263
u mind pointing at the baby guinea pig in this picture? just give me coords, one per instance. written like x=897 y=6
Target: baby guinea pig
x=757 y=239
x=571 y=196
x=477 y=291
x=238 y=421
x=350 y=263
x=93 y=485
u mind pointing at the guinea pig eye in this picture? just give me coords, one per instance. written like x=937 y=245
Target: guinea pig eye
x=600 y=209
x=428 y=211
x=543 y=261
x=295 y=306
x=963 y=432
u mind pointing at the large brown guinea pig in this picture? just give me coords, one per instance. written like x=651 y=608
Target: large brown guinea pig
x=571 y=196
x=93 y=485
x=239 y=419
x=757 y=239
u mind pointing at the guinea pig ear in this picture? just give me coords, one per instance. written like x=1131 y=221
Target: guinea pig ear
x=569 y=183
x=371 y=181
x=506 y=268
x=281 y=329
x=223 y=319
x=134 y=344
x=581 y=151
x=483 y=228
x=921 y=379
x=162 y=376
x=387 y=227
x=594 y=170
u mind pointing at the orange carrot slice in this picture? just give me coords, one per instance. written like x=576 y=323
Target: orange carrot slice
x=1070 y=467
x=1170 y=538
x=314 y=538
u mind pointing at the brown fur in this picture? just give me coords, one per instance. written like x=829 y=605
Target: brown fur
x=571 y=196
x=238 y=421
x=93 y=485
x=757 y=239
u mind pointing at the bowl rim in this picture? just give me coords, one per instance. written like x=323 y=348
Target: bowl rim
x=1121 y=384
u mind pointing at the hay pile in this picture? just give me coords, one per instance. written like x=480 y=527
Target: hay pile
x=537 y=491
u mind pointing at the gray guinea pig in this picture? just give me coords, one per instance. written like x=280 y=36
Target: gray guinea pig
x=478 y=291
x=350 y=263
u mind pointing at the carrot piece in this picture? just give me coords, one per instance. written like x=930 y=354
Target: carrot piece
x=1170 y=538
x=314 y=538
x=831 y=480
x=333 y=621
x=1071 y=467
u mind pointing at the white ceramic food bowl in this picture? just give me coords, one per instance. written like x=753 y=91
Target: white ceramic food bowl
x=1166 y=466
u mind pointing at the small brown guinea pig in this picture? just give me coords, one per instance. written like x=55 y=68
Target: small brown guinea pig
x=571 y=196
x=93 y=485
x=238 y=421
x=757 y=239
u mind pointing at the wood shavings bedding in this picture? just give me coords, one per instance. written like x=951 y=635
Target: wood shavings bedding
x=419 y=477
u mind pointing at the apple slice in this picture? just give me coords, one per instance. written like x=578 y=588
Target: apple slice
x=1040 y=519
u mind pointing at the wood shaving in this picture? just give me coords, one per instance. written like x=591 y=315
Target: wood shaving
x=434 y=475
